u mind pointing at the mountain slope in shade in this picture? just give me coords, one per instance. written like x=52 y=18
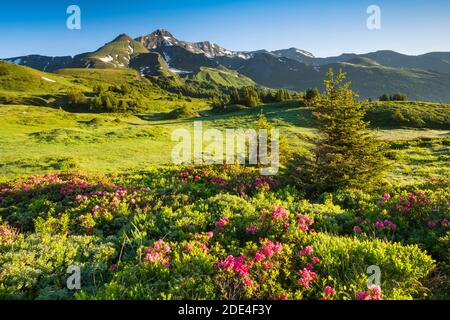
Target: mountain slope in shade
x=398 y=60
x=184 y=61
x=436 y=61
x=43 y=63
x=272 y=71
x=370 y=79
x=150 y=64
x=295 y=54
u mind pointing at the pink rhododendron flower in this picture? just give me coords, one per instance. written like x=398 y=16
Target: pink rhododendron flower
x=379 y=225
x=158 y=253
x=431 y=224
x=279 y=212
x=251 y=230
x=389 y=224
x=234 y=264
x=303 y=227
x=269 y=248
x=357 y=229
x=259 y=256
x=222 y=222
x=247 y=281
x=307 y=251
x=374 y=293
x=309 y=266
x=362 y=295
x=306 y=276
x=204 y=247
x=329 y=290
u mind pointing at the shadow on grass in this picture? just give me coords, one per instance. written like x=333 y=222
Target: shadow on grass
x=290 y=113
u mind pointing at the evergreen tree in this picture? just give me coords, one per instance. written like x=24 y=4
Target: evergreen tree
x=234 y=96
x=98 y=89
x=311 y=94
x=250 y=97
x=346 y=154
x=76 y=97
x=123 y=106
x=384 y=97
x=398 y=97
x=268 y=96
x=285 y=153
x=282 y=95
x=107 y=103
x=96 y=104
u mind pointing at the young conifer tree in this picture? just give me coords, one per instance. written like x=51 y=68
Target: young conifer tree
x=285 y=153
x=346 y=155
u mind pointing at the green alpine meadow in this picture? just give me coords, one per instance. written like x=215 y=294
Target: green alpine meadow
x=108 y=190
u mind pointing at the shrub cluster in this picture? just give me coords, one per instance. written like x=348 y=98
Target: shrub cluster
x=214 y=233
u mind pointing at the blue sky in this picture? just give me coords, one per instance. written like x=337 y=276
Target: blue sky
x=324 y=28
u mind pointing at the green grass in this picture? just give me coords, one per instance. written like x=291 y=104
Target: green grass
x=25 y=86
x=111 y=76
x=223 y=76
x=410 y=114
x=417 y=159
x=19 y=79
x=35 y=140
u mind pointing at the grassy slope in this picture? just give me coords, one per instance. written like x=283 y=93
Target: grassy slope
x=224 y=77
x=36 y=140
x=19 y=79
x=410 y=114
x=120 y=50
x=113 y=76
x=26 y=86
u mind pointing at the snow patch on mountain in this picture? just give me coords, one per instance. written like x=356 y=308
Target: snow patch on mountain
x=130 y=48
x=47 y=79
x=174 y=70
x=168 y=41
x=107 y=59
x=166 y=57
x=305 y=53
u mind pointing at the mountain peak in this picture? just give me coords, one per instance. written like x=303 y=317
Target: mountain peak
x=163 y=38
x=162 y=33
x=158 y=38
x=122 y=36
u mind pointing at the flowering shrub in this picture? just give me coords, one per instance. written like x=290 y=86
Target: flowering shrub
x=159 y=254
x=374 y=293
x=7 y=234
x=214 y=233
